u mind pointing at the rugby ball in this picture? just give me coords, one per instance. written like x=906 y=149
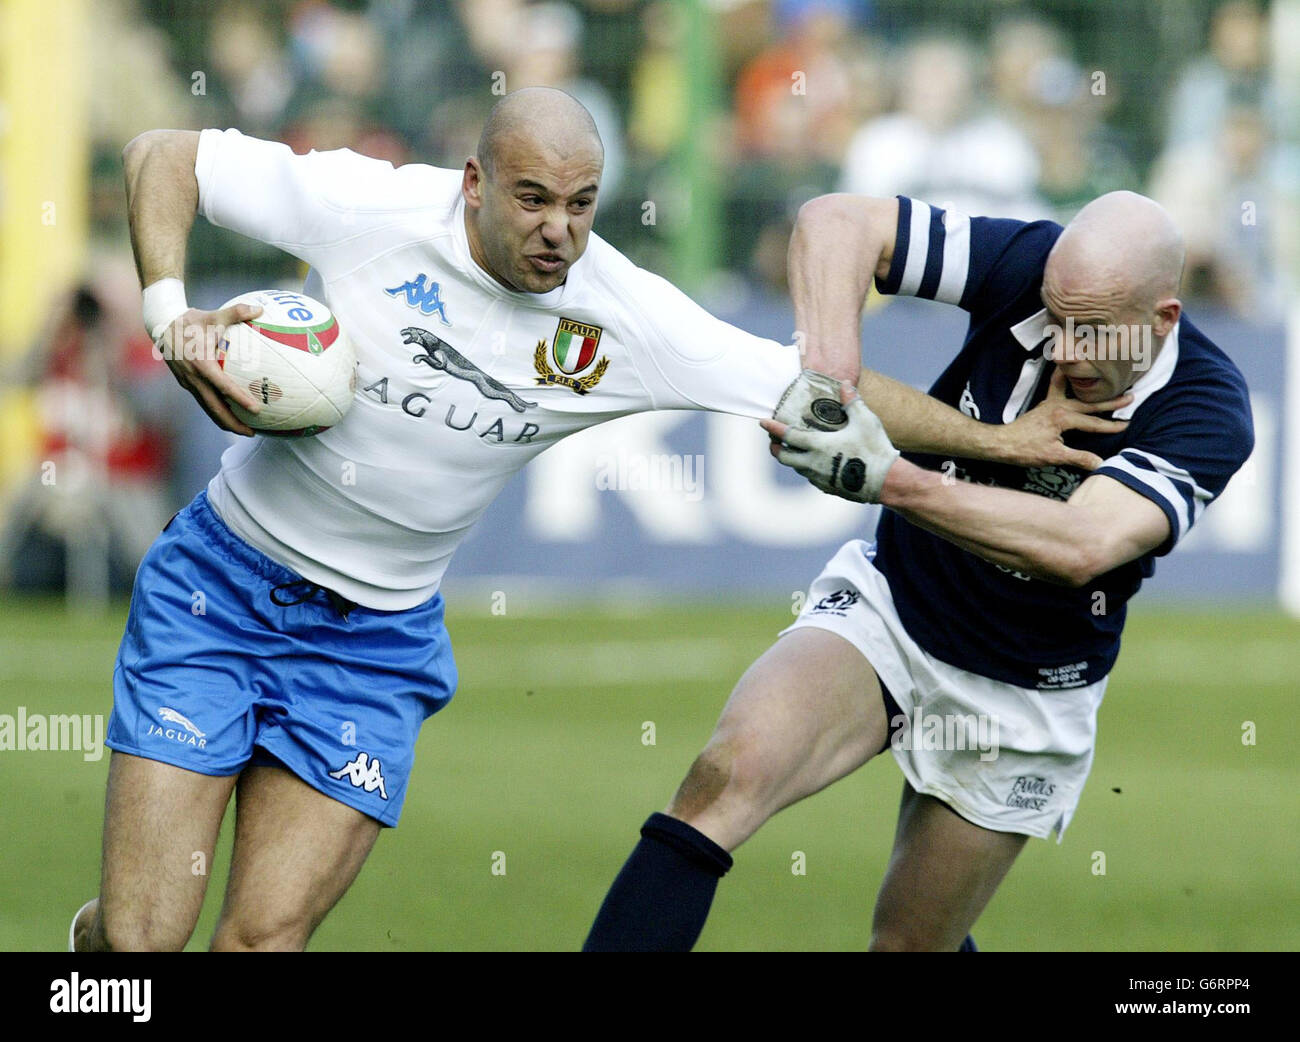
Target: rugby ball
x=294 y=359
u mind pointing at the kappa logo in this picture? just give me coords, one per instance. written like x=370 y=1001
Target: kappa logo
x=573 y=349
x=837 y=603
x=185 y=732
x=423 y=294
x=1030 y=792
x=363 y=773
x=444 y=358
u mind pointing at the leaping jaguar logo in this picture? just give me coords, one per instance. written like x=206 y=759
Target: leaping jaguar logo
x=173 y=717
x=443 y=357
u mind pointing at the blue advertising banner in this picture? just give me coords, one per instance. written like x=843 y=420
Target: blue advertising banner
x=693 y=503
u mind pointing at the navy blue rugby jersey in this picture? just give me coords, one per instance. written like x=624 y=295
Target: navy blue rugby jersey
x=1189 y=431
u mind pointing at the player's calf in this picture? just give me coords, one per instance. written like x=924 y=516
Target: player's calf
x=780 y=738
x=943 y=871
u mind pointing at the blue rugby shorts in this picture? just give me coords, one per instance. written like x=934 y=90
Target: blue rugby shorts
x=230 y=658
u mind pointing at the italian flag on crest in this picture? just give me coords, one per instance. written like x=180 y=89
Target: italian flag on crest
x=575 y=345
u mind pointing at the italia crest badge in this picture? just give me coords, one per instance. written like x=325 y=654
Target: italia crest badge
x=572 y=350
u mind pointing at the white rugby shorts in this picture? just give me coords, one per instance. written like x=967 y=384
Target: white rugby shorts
x=1008 y=758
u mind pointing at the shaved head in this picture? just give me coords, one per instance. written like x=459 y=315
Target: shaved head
x=1114 y=271
x=1122 y=248
x=530 y=193
x=537 y=116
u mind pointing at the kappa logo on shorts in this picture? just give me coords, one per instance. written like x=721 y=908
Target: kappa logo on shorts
x=1030 y=792
x=837 y=603
x=364 y=773
x=185 y=733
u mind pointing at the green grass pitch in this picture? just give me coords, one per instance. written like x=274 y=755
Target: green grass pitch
x=541 y=757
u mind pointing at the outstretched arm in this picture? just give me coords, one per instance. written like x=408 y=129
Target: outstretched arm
x=1101 y=526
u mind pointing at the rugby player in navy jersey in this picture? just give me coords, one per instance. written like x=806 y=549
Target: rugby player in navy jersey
x=994 y=595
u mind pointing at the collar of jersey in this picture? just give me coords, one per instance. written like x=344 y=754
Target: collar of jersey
x=1031 y=333
x=552 y=299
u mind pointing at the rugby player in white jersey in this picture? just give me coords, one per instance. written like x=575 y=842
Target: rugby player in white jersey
x=489 y=323
x=992 y=601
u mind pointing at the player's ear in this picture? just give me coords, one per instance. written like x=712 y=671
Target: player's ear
x=1167 y=313
x=471 y=185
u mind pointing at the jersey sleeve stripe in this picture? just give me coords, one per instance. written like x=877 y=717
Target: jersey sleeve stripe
x=1143 y=489
x=917 y=250
x=934 y=255
x=931 y=253
x=902 y=240
x=1197 y=497
x=1169 y=470
x=1156 y=487
x=956 y=258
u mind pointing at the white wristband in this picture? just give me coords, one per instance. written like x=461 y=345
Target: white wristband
x=164 y=302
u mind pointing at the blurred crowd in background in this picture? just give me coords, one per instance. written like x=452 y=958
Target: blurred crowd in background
x=1000 y=108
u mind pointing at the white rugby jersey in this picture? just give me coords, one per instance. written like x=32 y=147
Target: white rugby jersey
x=460 y=380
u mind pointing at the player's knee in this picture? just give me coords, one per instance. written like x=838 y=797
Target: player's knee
x=288 y=933
x=703 y=784
x=728 y=770
x=131 y=930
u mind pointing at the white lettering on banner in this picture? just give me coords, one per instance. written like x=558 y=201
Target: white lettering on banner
x=744 y=498
x=745 y=501
x=750 y=504
x=564 y=500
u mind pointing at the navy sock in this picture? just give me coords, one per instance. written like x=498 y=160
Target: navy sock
x=968 y=945
x=661 y=898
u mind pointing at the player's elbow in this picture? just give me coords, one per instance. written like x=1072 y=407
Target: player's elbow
x=138 y=147
x=835 y=211
x=823 y=208
x=182 y=143
x=853 y=230
x=836 y=207
x=1072 y=564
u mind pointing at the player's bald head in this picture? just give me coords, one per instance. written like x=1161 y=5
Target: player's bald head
x=538 y=119
x=1121 y=251
x=530 y=193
